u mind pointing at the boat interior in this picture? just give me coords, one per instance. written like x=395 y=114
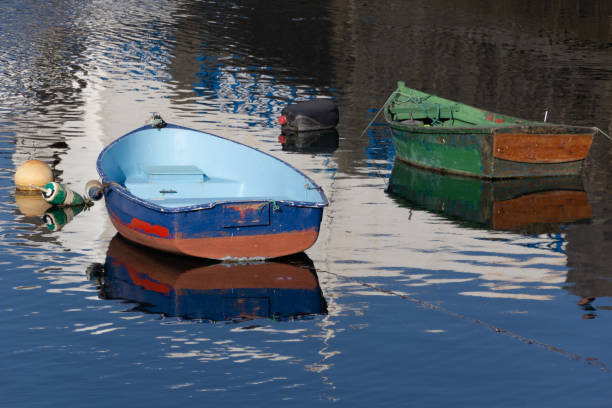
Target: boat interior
x=415 y=108
x=176 y=167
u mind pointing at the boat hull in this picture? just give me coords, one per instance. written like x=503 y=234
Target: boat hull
x=447 y=136
x=187 y=192
x=221 y=232
x=507 y=153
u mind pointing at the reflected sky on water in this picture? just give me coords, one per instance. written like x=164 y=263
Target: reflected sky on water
x=428 y=295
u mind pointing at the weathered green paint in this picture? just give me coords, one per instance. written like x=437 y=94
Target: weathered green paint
x=437 y=133
x=58 y=194
x=462 y=152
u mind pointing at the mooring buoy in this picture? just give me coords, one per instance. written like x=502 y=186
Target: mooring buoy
x=32 y=174
x=93 y=190
x=60 y=195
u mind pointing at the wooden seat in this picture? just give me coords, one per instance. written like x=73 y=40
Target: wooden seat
x=177 y=173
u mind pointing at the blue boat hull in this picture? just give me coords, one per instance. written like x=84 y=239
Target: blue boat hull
x=162 y=202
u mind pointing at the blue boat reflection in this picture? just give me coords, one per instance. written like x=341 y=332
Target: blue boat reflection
x=192 y=288
x=528 y=205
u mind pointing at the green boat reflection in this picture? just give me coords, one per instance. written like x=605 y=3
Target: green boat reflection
x=530 y=205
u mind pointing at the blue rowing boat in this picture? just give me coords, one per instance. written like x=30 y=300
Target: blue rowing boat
x=185 y=191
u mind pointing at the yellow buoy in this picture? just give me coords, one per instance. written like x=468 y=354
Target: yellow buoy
x=32 y=173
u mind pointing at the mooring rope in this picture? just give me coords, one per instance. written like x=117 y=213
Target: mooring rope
x=378 y=113
x=113 y=183
x=423 y=303
x=378 y=173
x=604 y=133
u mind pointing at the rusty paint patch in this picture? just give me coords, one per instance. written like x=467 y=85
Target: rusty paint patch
x=238 y=215
x=246 y=209
x=541 y=148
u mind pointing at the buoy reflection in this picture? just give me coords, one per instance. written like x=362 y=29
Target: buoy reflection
x=193 y=288
x=31 y=204
x=311 y=142
x=55 y=218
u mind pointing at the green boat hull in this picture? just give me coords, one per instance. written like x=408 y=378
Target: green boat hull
x=447 y=136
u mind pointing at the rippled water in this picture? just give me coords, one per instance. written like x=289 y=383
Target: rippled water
x=417 y=291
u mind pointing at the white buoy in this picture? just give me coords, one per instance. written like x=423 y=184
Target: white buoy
x=93 y=190
x=32 y=174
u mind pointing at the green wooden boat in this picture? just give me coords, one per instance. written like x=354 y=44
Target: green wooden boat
x=531 y=205
x=440 y=134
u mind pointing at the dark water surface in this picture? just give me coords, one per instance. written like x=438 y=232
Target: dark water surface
x=415 y=294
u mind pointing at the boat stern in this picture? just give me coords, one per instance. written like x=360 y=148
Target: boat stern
x=535 y=151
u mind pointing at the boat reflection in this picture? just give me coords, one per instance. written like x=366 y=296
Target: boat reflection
x=312 y=142
x=528 y=205
x=194 y=288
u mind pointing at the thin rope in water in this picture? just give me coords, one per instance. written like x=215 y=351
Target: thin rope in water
x=604 y=133
x=431 y=306
x=378 y=173
x=378 y=113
